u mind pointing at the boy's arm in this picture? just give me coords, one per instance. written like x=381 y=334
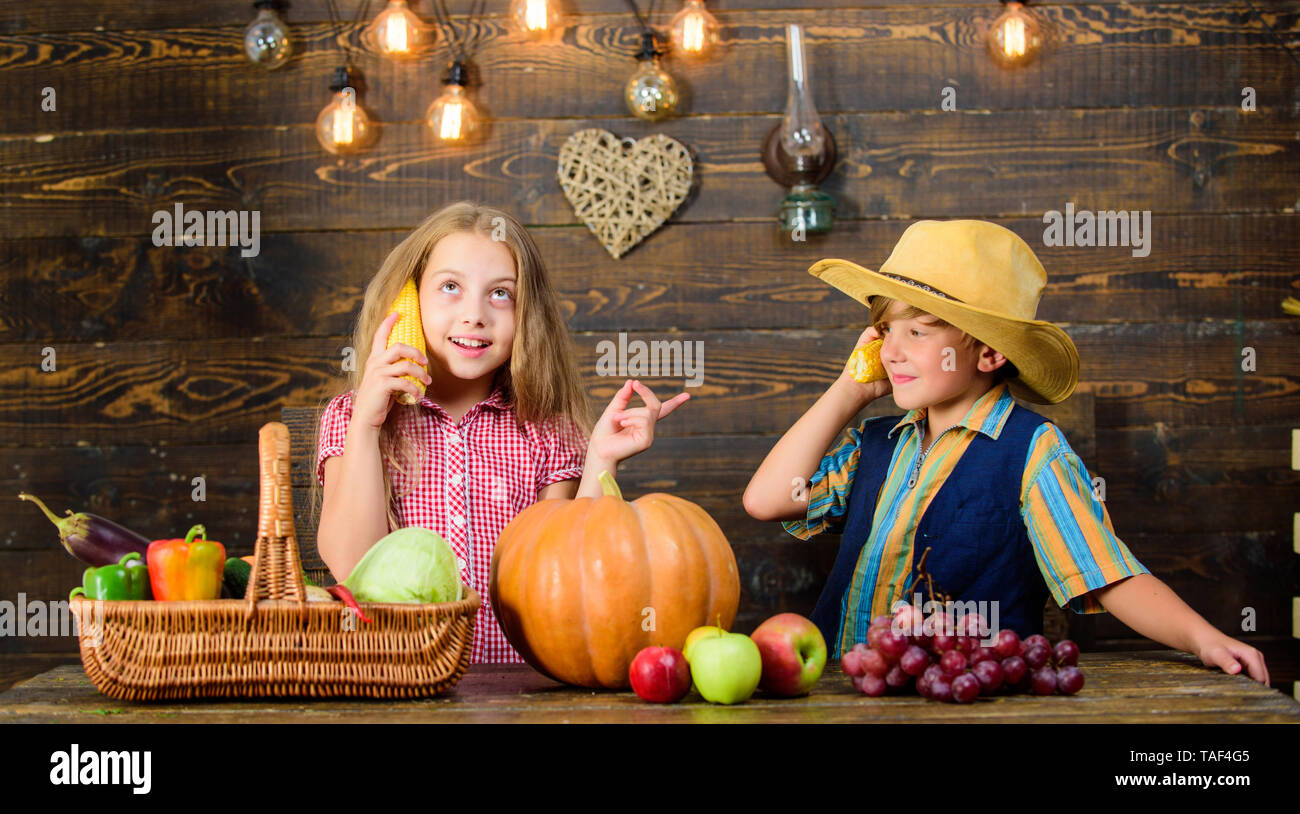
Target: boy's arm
x=1076 y=547
x=771 y=493
x=1151 y=608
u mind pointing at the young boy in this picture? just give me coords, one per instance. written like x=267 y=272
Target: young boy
x=993 y=489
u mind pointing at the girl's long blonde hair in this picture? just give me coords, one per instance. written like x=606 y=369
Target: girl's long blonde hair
x=541 y=378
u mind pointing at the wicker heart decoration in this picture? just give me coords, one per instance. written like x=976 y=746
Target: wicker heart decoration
x=623 y=189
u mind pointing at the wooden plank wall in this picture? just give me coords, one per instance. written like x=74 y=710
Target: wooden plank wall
x=169 y=359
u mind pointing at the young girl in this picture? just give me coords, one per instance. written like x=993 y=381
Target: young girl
x=503 y=418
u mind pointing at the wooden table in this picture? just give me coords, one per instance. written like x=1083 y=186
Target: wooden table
x=1136 y=687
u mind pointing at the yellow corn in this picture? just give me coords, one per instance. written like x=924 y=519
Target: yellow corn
x=865 y=365
x=408 y=331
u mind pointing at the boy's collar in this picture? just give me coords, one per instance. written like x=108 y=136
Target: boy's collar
x=987 y=415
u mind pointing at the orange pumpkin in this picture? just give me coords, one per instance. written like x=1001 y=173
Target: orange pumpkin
x=581 y=586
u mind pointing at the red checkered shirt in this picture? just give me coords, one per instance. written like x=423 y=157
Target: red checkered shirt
x=476 y=475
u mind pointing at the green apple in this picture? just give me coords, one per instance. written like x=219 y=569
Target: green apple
x=725 y=667
x=697 y=634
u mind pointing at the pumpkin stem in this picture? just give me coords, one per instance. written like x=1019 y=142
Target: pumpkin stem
x=609 y=486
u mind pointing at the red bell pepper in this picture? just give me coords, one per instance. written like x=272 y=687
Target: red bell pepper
x=186 y=569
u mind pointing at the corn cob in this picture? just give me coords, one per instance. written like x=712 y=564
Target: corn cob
x=865 y=365
x=408 y=331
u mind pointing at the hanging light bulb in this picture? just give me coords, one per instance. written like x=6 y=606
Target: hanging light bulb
x=651 y=94
x=266 y=39
x=343 y=127
x=694 y=30
x=397 y=33
x=1015 y=37
x=452 y=117
x=537 y=18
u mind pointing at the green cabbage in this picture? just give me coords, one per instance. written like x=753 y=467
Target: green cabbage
x=410 y=565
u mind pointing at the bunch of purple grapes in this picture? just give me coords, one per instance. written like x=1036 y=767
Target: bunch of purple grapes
x=952 y=665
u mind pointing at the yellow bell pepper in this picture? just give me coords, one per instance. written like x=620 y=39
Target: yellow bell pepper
x=186 y=569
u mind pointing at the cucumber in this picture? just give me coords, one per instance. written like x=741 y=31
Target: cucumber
x=234 y=578
x=237 y=573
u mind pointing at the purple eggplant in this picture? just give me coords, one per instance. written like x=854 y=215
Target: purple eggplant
x=93 y=539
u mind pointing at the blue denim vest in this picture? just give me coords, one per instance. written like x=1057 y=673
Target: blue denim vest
x=980 y=549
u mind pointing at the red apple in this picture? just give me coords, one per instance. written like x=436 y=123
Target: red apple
x=660 y=674
x=794 y=654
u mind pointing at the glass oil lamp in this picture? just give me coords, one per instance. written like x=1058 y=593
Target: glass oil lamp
x=800 y=152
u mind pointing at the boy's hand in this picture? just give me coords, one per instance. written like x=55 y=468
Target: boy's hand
x=1228 y=654
x=621 y=433
x=865 y=391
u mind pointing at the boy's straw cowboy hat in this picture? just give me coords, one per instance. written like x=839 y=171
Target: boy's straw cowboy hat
x=983 y=279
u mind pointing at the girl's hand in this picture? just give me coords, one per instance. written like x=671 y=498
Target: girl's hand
x=621 y=433
x=1228 y=654
x=865 y=392
x=383 y=376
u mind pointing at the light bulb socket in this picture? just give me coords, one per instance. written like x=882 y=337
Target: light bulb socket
x=342 y=79
x=271 y=4
x=649 y=48
x=456 y=74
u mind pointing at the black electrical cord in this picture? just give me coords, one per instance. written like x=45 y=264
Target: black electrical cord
x=460 y=50
x=335 y=24
x=1280 y=42
x=645 y=27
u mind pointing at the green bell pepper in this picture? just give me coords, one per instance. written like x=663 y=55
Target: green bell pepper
x=120 y=581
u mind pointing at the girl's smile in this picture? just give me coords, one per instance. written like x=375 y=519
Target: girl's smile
x=471 y=346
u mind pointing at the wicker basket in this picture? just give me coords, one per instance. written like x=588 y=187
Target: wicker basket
x=273 y=642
